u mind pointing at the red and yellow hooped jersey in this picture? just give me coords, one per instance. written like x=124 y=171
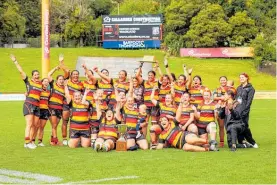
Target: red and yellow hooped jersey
x=130 y=118
x=75 y=86
x=196 y=95
x=121 y=87
x=91 y=87
x=44 y=98
x=163 y=93
x=220 y=91
x=34 y=90
x=185 y=116
x=172 y=136
x=148 y=87
x=179 y=91
x=166 y=110
x=106 y=87
x=207 y=114
x=108 y=129
x=79 y=119
x=57 y=96
x=93 y=116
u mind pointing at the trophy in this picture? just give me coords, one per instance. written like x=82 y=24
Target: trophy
x=148 y=59
x=121 y=143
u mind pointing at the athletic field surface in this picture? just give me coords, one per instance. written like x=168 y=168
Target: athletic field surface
x=61 y=164
x=209 y=69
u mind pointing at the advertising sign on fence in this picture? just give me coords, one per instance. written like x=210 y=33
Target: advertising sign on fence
x=217 y=52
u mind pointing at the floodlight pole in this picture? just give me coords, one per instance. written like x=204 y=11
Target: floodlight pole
x=45 y=37
x=117 y=8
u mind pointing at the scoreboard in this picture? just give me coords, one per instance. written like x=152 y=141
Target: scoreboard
x=134 y=31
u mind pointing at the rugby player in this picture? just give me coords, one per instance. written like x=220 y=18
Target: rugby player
x=31 y=109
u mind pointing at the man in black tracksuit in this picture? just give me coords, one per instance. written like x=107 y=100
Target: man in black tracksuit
x=231 y=112
x=245 y=95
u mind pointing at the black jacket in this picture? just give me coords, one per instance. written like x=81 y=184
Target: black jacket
x=235 y=116
x=247 y=94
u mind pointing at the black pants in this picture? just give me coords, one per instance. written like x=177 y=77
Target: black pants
x=247 y=132
x=233 y=131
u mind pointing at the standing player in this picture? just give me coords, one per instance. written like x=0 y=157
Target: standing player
x=74 y=85
x=44 y=112
x=196 y=91
x=31 y=109
x=152 y=111
x=55 y=103
x=219 y=96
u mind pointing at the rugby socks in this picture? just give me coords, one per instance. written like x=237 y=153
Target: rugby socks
x=27 y=140
x=39 y=141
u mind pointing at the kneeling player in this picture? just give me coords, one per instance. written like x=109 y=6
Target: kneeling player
x=173 y=136
x=107 y=135
x=79 y=120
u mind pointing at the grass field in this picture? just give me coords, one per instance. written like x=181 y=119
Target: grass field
x=209 y=69
x=249 y=166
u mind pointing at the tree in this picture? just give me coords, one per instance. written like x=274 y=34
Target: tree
x=264 y=14
x=137 y=7
x=209 y=28
x=101 y=7
x=31 y=11
x=243 y=28
x=264 y=49
x=12 y=24
x=179 y=13
x=80 y=22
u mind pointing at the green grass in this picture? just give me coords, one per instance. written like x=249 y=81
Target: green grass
x=248 y=166
x=209 y=69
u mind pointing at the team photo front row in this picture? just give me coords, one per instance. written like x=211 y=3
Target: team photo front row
x=183 y=113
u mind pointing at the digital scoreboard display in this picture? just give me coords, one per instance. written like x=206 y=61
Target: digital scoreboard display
x=135 y=31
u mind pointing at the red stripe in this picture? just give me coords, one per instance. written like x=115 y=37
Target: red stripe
x=79 y=126
x=173 y=136
x=59 y=107
x=81 y=114
x=36 y=92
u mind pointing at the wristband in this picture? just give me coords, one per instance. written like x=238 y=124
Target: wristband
x=189 y=74
x=166 y=66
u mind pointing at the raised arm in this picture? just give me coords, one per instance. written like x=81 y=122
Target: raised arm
x=50 y=78
x=66 y=92
x=159 y=70
x=84 y=101
x=102 y=75
x=139 y=72
x=19 y=68
x=179 y=111
x=131 y=87
x=152 y=97
x=196 y=112
x=118 y=112
x=188 y=77
x=63 y=67
x=168 y=70
x=89 y=73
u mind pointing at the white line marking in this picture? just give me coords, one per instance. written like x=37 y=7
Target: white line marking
x=103 y=180
x=32 y=176
x=7 y=179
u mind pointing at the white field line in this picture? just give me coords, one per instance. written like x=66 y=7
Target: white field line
x=103 y=180
x=29 y=176
x=7 y=179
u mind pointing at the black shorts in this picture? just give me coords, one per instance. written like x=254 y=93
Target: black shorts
x=56 y=112
x=66 y=107
x=30 y=109
x=79 y=133
x=153 y=111
x=44 y=114
x=202 y=131
x=133 y=136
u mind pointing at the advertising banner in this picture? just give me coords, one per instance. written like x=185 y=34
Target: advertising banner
x=217 y=52
x=132 y=44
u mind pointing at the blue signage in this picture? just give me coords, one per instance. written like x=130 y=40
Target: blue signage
x=132 y=44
